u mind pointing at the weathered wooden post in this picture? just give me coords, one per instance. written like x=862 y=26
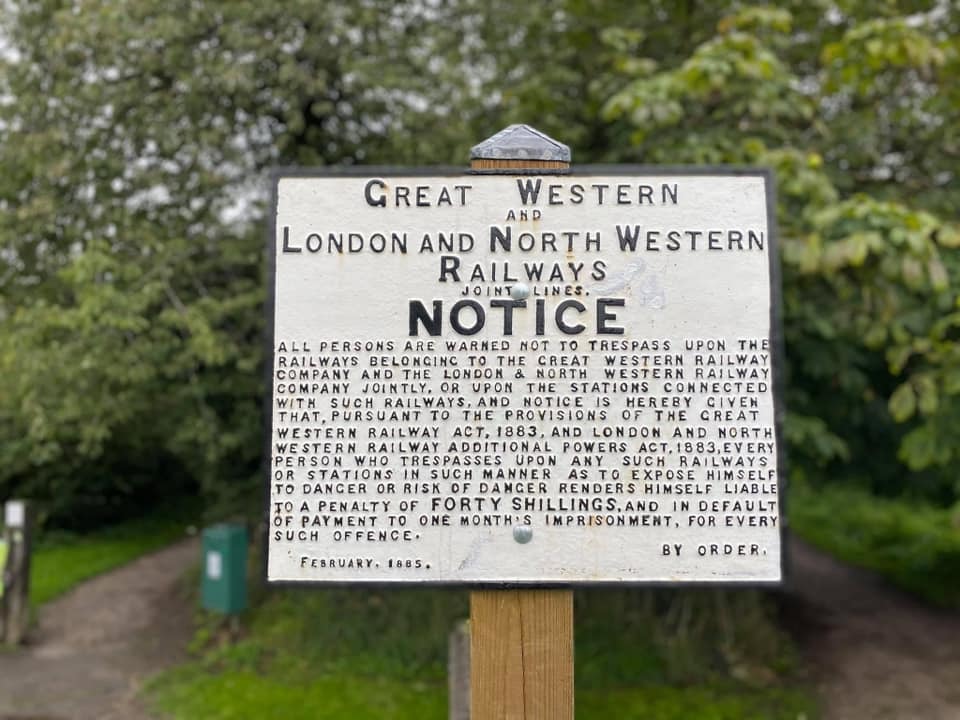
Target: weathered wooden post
x=522 y=379
x=15 y=604
x=521 y=641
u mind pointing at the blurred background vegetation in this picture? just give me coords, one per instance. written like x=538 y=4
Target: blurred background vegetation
x=136 y=140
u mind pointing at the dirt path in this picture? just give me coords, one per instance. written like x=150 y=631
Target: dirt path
x=874 y=652
x=92 y=648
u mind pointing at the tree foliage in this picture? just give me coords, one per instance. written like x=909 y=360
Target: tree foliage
x=855 y=107
x=136 y=137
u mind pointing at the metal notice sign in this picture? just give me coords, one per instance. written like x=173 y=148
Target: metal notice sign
x=524 y=379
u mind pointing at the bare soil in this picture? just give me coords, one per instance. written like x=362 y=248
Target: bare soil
x=92 y=649
x=874 y=652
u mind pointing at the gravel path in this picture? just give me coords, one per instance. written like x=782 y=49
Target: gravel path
x=93 y=648
x=874 y=652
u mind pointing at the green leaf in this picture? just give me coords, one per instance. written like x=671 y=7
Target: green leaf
x=939 y=278
x=926 y=391
x=919 y=449
x=903 y=402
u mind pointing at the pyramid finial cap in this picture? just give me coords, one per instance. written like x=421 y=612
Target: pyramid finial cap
x=520 y=142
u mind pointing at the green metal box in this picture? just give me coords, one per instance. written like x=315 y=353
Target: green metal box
x=224 y=585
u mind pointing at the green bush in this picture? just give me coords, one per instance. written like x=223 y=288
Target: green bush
x=916 y=546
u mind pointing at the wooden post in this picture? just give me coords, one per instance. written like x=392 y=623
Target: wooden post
x=521 y=654
x=521 y=641
x=15 y=605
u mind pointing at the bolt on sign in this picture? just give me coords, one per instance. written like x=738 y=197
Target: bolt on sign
x=551 y=379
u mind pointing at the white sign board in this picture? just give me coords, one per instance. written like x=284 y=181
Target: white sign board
x=14 y=515
x=524 y=379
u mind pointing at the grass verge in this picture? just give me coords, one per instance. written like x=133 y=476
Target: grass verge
x=917 y=547
x=382 y=654
x=240 y=695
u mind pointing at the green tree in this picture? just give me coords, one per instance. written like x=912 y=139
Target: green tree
x=137 y=136
x=855 y=106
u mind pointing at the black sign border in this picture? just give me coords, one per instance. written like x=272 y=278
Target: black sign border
x=777 y=368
